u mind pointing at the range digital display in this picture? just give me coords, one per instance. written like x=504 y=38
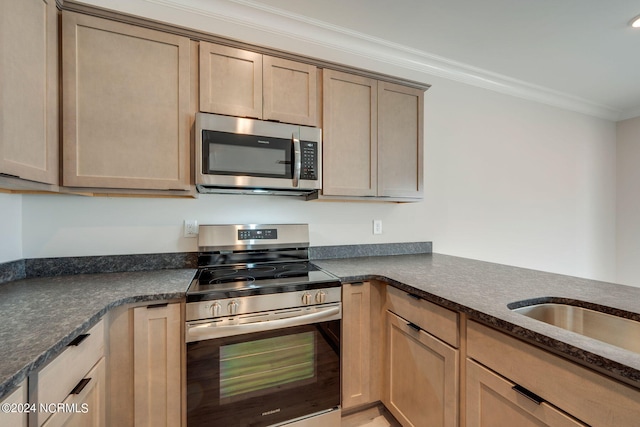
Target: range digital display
x=262 y=234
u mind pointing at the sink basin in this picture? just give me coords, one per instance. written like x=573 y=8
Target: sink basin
x=614 y=330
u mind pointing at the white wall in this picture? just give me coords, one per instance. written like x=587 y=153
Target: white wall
x=10 y=227
x=76 y=225
x=628 y=202
x=507 y=180
x=520 y=183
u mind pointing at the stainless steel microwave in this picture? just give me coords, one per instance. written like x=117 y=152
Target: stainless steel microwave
x=247 y=156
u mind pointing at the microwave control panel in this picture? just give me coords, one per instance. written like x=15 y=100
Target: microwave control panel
x=309 y=162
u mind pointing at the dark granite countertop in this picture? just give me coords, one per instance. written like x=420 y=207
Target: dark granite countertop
x=39 y=317
x=482 y=290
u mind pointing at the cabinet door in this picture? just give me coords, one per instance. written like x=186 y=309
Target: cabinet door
x=230 y=81
x=125 y=106
x=421 y=378
x=356 y=344
x=492 y=402
x=157 y=348
x=350 y=147
x=15 y=418
x=290 y=91
x=29 y=90
x=400 y=141
x=88 y=401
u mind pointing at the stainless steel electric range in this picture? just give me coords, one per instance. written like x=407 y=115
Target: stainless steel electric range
x=262 y=330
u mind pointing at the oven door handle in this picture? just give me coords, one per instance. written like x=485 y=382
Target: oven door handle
x=212 y=330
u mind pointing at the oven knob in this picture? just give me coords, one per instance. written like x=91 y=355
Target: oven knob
x=233 y=307
x=321 y=297
x=306 y=298
x=215 y=309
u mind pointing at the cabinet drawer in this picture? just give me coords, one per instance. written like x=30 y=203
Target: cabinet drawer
x=492 y=401
x=56 y=380
x=585 y=394
x=438 y=321
x=88 y=403
x=421 y=376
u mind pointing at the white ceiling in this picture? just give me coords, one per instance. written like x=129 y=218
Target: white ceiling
x=584 y=50
x=580 y=55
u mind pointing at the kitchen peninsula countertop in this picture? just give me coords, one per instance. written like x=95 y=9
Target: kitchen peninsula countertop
x=39 y=317
x=482 y=290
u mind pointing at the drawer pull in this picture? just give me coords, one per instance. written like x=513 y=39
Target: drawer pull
x=81 y=385
x=528 y=394
x=413 y=326
x=76 y=342
x=357 y=283
x=158 y=305
x=414 y=296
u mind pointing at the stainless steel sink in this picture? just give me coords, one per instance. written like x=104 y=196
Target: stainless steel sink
x=611 y=329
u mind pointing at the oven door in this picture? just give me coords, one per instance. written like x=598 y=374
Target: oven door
x=264 y=378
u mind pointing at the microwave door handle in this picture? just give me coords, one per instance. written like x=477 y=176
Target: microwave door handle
x=297 y=160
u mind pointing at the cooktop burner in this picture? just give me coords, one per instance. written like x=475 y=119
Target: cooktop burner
x=226 y=282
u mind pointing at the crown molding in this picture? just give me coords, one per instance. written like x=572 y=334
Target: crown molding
x=245 y=18
x=631 y=114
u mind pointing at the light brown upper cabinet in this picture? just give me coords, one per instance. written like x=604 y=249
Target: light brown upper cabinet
x=350 y=139
x=126 y=106
x=373 y=138
x=29 y=90
x=240 y=83
x=400 y=141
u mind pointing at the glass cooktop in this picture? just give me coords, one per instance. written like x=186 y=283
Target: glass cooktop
x=257 y=279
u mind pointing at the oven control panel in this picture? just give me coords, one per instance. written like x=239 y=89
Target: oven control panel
x=260 y=234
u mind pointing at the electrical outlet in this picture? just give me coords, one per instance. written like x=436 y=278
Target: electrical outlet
x=377 y=226
x=190 y=228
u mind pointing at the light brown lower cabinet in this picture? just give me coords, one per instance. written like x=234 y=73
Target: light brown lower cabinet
x=492 y=401
x=421 y=376
x=14 y=417
x=361 y=343
x=582 y=393
x=356 y=339
x=85 y=406
x=75 y=376
x=157 y=346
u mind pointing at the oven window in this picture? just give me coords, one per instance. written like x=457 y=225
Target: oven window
x=263 y=378
x=256 y=368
